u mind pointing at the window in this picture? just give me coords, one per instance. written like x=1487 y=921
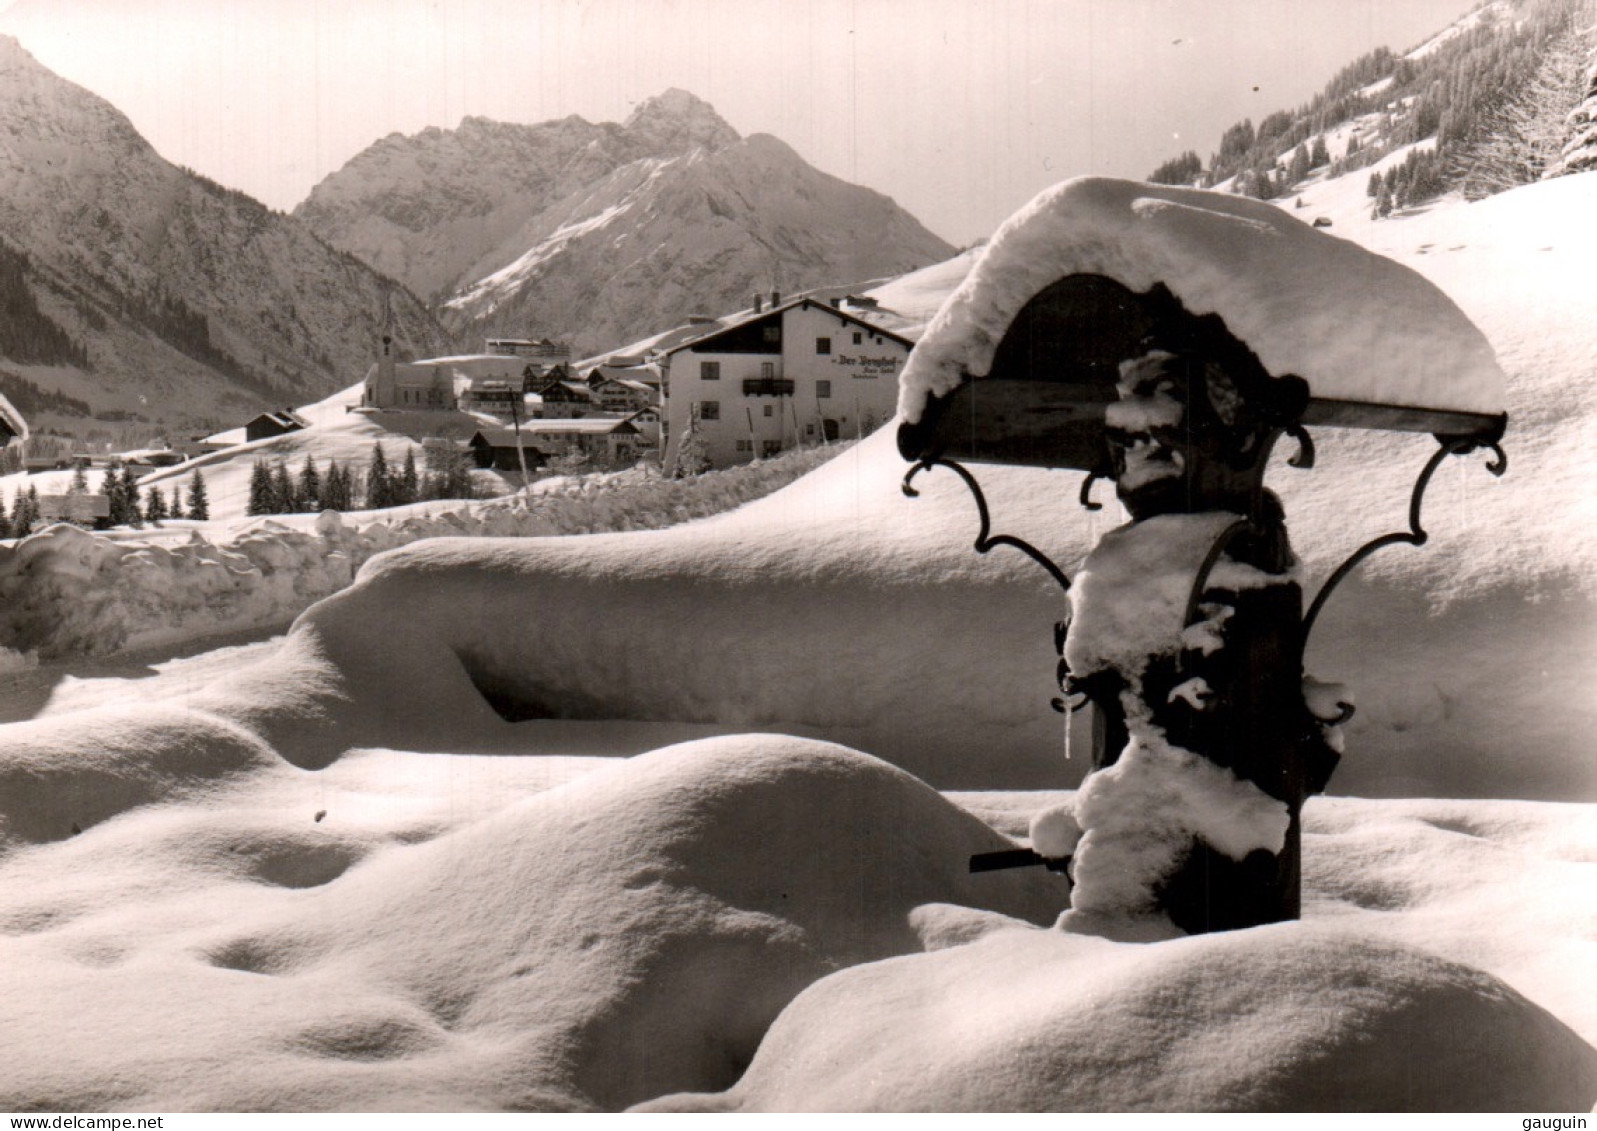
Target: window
x=767 y=410
x=823 y=389
x=709 y=410
x=823 y=345
x=773 y=333
x=771 y=448
x=767 y=370
x=745 y=445
x=809 y=429
x=709 y=371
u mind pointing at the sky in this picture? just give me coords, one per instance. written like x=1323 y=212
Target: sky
x=961 y=110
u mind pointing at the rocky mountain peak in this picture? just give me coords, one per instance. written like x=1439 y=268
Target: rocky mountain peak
x=676 y=121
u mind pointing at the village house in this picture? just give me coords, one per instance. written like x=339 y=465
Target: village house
x=542 y=351
x=608 y=441
x=566 y=400
x=279 y=422
x=463 y=380
x=780 y=377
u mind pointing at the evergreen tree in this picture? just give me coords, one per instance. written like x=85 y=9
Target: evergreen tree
x=80 y=479
x=154 y=506
x=123 y=491
x=111 y=488
x=24 y=512
x=379 y=485
x=199 y=499
x=1319 y=155
x=691 y=458
x=1298 y=167
x=177 y=500
x=260 y=500
x=284 y=499
x=335 y=488
x=408 y=486
x=310 y=486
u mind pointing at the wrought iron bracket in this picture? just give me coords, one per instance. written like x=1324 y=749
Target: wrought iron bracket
x=985 y=538
x=1085 y=496
x=1416 y=534
x=1018 y=858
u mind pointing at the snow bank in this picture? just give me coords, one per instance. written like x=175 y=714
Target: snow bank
x=67 y=592
x=1356 y=326
x=1045 y=1021
x=297 y=944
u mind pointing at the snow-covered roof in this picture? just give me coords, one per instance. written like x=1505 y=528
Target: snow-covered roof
x=1357 y=326
x=743 y=318
x=12 y=419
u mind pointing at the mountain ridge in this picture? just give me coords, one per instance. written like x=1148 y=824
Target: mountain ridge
x=603 y=233
x=186 y=301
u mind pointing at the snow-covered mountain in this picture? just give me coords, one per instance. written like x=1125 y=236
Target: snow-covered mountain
x=153 y=292
x=602 y=233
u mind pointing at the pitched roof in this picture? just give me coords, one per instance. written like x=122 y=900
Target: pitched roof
x=727 y=325
x=12 y=419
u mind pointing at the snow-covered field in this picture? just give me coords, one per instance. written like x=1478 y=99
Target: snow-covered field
x=721 y=863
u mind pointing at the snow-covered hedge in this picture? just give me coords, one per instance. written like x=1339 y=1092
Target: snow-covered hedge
x=65 y=591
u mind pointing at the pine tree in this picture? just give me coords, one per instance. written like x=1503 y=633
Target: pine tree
x=80 y=479
x=335 y=488
x=25 y=512
x=260 y=500
x=177 y=500
x=125 y=509
x=310 y=486
x=692 y=457
x=155 y=506
x=1319 y=155
x=408 y=487
x=284 y=500
x=379 y=486
x=1298 y=168
x=199 y=499
x=111 y=488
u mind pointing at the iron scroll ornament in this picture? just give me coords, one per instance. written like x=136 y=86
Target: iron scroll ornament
x=1415 y=535
x=985 y=538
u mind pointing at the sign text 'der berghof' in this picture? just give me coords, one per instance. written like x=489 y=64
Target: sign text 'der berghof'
x=867 y=366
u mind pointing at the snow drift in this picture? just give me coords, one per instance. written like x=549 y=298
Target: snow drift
x=1049 y=1021
x=1356 y=326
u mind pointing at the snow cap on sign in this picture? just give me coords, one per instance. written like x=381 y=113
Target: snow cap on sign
x=1357 y=326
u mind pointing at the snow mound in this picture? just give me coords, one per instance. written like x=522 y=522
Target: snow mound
x=1033 y=1020
x=629 y=933
x=1355 y=325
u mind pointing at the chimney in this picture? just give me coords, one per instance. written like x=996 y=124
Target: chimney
x=837 y=302
x=776 y=298
x=759 y=303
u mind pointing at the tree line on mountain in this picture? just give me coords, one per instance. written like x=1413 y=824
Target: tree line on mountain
x=27 y=334
x=340 y=487
x=31 y=400
x=1495 y=97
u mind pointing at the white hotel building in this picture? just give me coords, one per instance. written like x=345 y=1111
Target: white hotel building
x=779 y=378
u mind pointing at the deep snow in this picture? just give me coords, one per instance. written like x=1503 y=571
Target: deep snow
x=329 y=873
x=1293 y=293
